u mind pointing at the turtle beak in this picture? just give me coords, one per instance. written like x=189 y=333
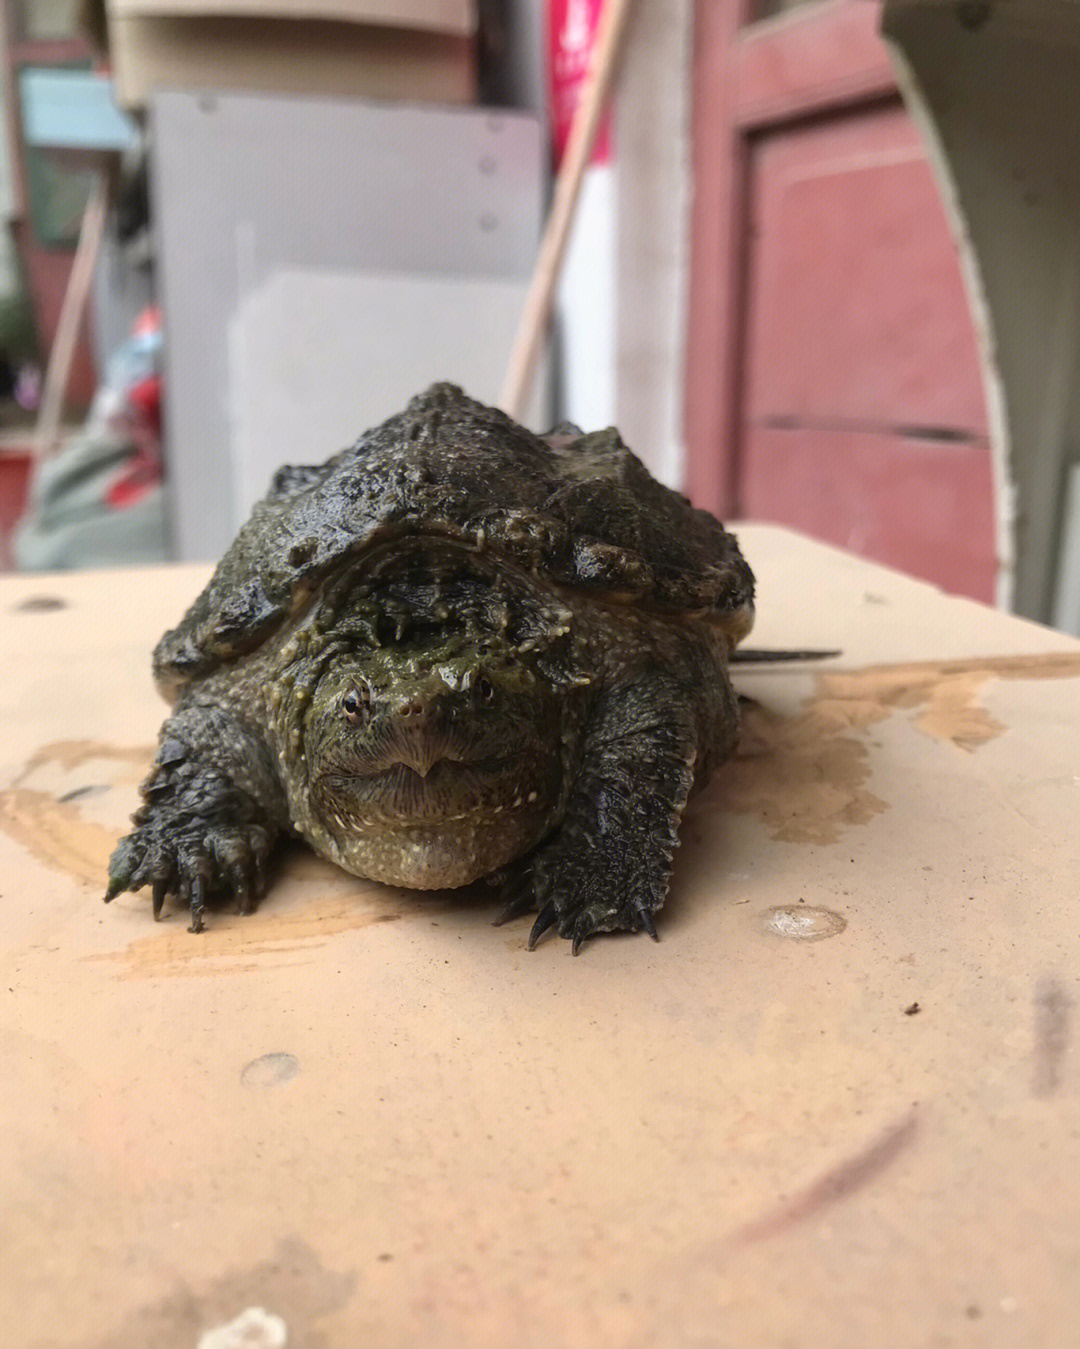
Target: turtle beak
x=416 y=743
x=421 y=756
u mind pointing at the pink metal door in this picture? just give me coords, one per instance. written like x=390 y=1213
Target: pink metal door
x=834 y=380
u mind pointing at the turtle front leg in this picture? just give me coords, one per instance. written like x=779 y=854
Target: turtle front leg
x=208 y=821
x=607 y=868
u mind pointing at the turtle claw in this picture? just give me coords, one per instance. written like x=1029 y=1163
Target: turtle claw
x=578 y=904
x=579 y=929
x=521 y=902
x=647 y=925
x=198 y=904
x=245 y=899
x=517 y=908
x=547 y=917
x=201 y=863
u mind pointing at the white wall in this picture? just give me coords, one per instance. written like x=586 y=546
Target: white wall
x=585 y=308
x=653 y=234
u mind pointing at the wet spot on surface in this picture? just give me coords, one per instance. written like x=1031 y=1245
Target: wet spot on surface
x=232 y=944
x=838 y=1182
x=254 y=1328
x=39 y=604
x=1053 y=1013
x=71 y=824
x=805 y=775
x=70 y=754
x=293 y=1282
x=943 y=695
x=802 y=775
x=91 y=789
x=44 y=809
x=804 y=922
x=270 y=1069
x=56 y=833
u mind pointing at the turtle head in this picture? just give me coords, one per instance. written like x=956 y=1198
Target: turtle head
x=431 y=768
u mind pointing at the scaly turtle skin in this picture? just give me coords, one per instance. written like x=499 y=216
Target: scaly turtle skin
x=454 y=650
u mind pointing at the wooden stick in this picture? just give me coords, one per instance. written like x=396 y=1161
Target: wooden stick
x=536 y=313
x=58 y=370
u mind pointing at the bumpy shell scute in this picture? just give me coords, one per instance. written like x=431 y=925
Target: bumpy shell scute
x=579 y=509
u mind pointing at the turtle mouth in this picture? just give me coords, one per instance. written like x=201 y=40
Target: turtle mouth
x=449 y=791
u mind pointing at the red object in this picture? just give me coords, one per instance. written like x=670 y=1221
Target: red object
x=143 y=471
x=141 y=418
x=15 y=469
x=572 y=26
x=145 y=400
x=147 y=322
x=141 y=474
x=834 y=381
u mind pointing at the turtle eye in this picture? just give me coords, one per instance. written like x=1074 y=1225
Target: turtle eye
x=485 y=690
x=356 y=705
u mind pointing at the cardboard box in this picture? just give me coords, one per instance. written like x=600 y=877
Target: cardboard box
x=420 y=50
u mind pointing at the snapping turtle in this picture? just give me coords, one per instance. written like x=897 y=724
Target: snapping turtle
x=456 y=650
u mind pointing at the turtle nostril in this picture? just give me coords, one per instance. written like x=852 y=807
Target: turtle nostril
x=411 y=707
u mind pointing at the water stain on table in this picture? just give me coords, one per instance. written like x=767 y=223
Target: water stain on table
x=236 y=945
x=43 y=807
x=39 y=604
x=292 y=1283
x=45 y=810
x=805 y=775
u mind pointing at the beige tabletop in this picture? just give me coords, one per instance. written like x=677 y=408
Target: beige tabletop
x=835 y=1105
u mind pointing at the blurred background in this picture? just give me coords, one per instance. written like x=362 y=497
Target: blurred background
x=824 y=268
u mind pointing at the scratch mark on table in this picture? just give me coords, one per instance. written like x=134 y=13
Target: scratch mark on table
x=1053 y=1013
x=837 y=1183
